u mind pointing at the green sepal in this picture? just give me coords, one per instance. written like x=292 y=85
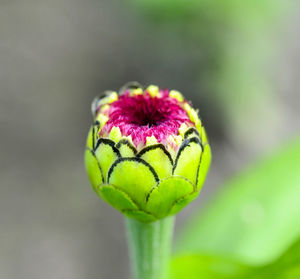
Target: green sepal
x=191 y=132
x=204 y=139
x=89 y=140
x=116 y=197
x=126 y=148
x=93 y=168
x=135 y=177
x=183 y=202
x=106 y=153
x=159 y=158
x=188 y=159
x=163 y=197
x=140 y=215
x=204 y=166
x=92 y=135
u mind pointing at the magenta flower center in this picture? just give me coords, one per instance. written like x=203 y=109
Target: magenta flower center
x=143 y=116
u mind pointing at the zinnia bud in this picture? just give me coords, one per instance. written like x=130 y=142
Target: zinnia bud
x=147 y=152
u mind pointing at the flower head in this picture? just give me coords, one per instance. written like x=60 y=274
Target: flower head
x=147 y=151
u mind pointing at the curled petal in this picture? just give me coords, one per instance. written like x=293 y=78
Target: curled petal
x=105 y=98
x=132 y=85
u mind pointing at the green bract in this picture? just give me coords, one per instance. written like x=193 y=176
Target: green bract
x=152 y=179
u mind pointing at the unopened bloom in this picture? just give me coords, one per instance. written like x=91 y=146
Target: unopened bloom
x=147 y=152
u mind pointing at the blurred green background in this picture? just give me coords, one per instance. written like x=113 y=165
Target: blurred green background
x=238 y=61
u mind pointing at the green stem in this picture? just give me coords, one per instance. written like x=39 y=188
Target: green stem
x=150 y=247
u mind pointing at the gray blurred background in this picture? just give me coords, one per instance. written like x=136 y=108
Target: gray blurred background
x=239 y=64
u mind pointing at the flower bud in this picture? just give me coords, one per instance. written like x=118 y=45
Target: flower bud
x=147 y=152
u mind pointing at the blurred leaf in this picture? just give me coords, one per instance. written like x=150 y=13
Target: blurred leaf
x=215 y=9
x=206 y=267
x=255 y=216
x=286 y=267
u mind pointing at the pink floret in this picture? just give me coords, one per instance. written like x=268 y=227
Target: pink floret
x=143 y=116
